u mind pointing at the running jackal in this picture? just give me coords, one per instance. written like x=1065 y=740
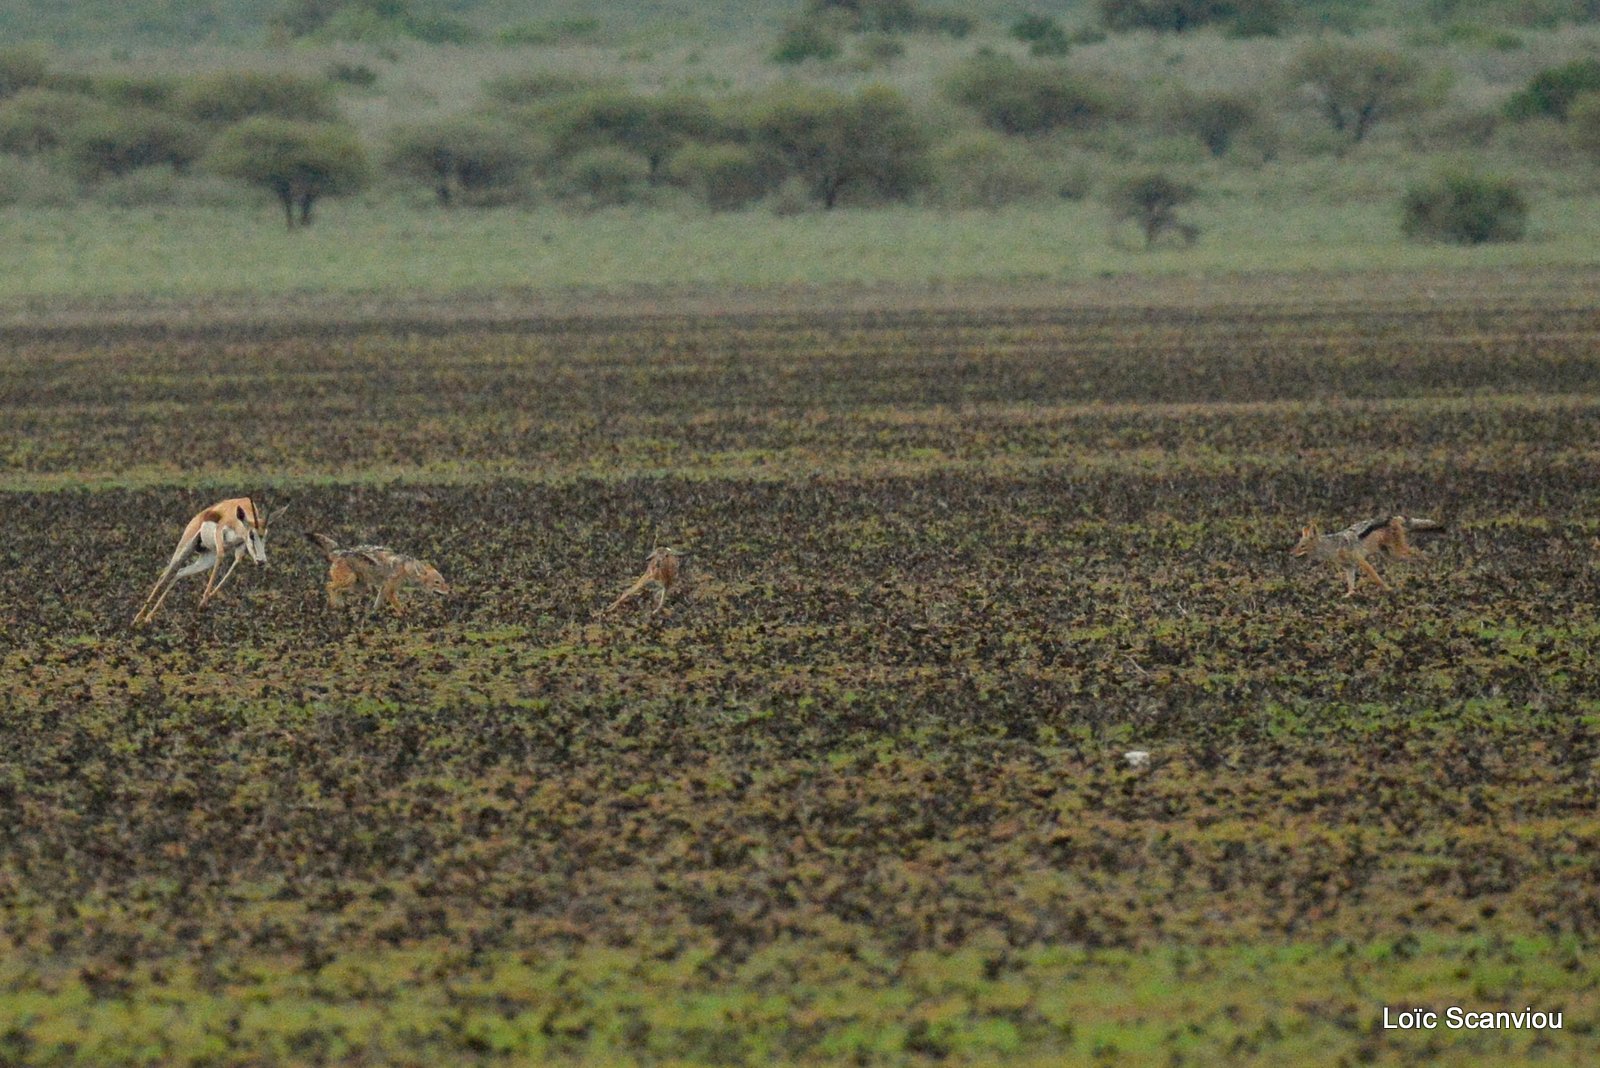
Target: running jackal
x=1353 y=548
x=376 y=568
x=660 y=573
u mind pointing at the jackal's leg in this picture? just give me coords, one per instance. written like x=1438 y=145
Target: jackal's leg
x=1349 y=581
x=1366 y=566
x=340 y=580
x=391 y=593
x=661 y=596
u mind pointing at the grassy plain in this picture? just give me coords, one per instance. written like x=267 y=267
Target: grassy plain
x=857 y=796
x=94 y=251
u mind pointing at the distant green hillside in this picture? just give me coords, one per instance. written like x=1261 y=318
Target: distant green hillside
x=88 y=23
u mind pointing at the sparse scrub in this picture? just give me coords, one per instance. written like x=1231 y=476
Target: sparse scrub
x=1464 y=209
x=1019 y=98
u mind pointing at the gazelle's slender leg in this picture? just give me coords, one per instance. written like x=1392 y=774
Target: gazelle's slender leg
x=219 y=543
x=237 y=556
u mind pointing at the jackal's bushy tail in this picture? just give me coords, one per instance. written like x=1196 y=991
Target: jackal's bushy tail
x=323 y=542
x=1417 y=523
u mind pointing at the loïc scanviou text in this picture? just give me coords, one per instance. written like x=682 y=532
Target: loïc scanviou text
x=1456 y=1018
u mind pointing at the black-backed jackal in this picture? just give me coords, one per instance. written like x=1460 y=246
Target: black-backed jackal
x=234 y=525
x=660 y=574
x=376 y=568
x=1352 y=549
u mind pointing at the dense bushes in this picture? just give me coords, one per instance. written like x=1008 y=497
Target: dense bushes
x=1552 y=91
x=1021 y=98
x=1240 y=17
x=1464 y=209
x=471 y=159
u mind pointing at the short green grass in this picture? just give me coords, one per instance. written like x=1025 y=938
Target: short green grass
x=93 y=251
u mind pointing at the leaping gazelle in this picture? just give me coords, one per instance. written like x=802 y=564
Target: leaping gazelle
x=233 y=524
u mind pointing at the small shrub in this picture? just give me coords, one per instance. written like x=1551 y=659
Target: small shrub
x=1552 y=91
x=803 y=39
x=1464 y=209
x=1150 y=201
x=605 y=177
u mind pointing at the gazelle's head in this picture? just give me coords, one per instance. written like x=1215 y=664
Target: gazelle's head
x=254 y=522
x=1308 y=538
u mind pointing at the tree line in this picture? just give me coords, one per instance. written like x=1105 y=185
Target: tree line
x=593 y=143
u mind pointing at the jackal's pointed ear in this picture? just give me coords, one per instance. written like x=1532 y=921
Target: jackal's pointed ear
x=274 y=514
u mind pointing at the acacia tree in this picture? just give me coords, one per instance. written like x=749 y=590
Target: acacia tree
x=1151 y=202
x=462 y=157
x=298 y=162
x=1356 y=86
x=834 y=142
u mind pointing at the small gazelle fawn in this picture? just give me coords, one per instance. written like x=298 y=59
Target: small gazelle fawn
x=233 y=525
